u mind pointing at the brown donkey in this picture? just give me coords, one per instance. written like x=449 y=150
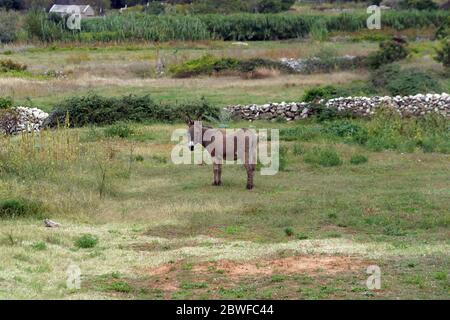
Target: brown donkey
x=239 y=144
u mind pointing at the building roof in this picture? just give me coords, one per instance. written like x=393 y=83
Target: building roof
x=62 y=8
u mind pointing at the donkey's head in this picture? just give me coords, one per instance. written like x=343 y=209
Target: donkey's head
x=195 y=133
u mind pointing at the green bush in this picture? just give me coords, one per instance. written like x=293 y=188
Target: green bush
x=323 y=113
x=6 y=102
x=205 y=65
x=411 y=82
x=358 y=159
x=418 y=4
x=330 y=92
x=289 y=231
x=208 y=64
x=13 y=208
x=86 y=241
x=95 y=109
x=322 y=92
x=443 y=52
x=250 y=65
x=396 y=81
x=325 y=157
x=390 y=51
x=121 y=130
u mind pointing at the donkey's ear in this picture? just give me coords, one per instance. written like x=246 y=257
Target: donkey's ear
x=189 y=121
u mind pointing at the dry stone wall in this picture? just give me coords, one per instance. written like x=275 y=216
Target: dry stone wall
x=417 y=105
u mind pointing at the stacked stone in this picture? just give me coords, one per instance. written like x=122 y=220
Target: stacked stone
x=29 y=119
x=417 y=105
x=271 y=111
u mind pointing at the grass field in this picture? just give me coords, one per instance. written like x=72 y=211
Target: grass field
x=163 y=231
x=125 y=69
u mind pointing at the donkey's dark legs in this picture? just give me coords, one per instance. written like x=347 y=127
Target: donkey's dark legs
x=250 y=169
x=217 y=174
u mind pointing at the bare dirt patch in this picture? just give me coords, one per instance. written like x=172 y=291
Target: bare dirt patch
x=226 y=273
x=290 y=265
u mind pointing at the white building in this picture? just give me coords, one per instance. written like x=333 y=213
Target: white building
x=86 y=11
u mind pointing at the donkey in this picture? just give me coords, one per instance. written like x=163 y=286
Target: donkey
x=241 y=144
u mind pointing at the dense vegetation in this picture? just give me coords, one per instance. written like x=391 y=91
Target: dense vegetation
x=141 y=26
x=94 y=109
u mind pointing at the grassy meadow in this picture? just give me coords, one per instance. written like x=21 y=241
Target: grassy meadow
x=140 y=227
x=163 y=231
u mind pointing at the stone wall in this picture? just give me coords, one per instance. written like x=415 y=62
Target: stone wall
x=22 y=119
x=360 y=106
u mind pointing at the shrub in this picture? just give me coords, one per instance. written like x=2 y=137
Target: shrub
x=317 y=93
x=322 y=156
x=327 y=92
x=418 y=4
x=443 y=52
x=86 y=241
x=197 y=109
x=208 y=64
x=323 y=113
x=6 y=102
x=289 y=231
x=390 y=51
x=205 y=65
x=253 y=64
x=358 y=159
x=121 y=130
x=95 y=109
x=13 y=208
x=410 y=82
x=395 y=81
x=9 y=65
